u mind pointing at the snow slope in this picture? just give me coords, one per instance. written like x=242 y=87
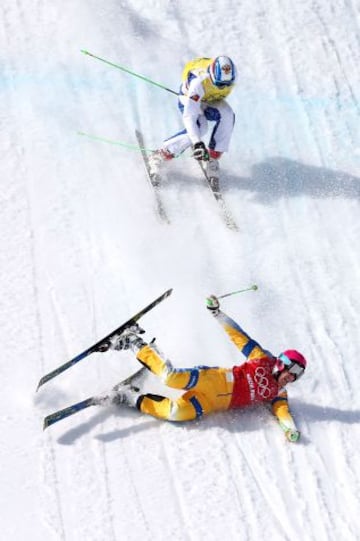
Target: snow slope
x=82 y=250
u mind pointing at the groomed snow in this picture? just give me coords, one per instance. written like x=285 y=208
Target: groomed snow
x=82 y=250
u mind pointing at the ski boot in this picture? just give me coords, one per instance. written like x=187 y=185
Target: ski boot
x=156 y=160
x=212 y=170
x=128 y=339
x=126 y=395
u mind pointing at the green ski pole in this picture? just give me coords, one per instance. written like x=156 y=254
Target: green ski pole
x=126 y=70
x=128 y=146
x=251 y=288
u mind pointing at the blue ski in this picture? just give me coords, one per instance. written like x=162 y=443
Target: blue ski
x=91 y=401
x=101 y=344
x=66 y=412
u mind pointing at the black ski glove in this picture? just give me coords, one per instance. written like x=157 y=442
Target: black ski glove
x=200 y=152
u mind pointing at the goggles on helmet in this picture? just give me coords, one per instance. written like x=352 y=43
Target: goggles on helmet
x=223 y=85
x=291 y=366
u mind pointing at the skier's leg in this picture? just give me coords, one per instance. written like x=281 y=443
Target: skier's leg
x=208 y=389
x=150 y=356
x=224 y=118
x=214 y=383
x=178 y=143
x=186 y=408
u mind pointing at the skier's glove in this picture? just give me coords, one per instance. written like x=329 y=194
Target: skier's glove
x=200 y=152
x=212 y=304
x=292 y=435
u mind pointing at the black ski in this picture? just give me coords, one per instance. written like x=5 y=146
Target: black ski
x=104 y=341
x=92 y=401
x=154 y=180
x=215 y=190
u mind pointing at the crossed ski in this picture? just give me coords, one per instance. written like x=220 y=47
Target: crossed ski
x=97 y=346
x=155 y=185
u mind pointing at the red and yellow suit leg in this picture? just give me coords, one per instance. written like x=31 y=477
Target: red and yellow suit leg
x=206 y=389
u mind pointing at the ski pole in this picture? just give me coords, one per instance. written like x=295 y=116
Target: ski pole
x=122 y=68
x=251 y=288
x=112 y=142
x=128 y=146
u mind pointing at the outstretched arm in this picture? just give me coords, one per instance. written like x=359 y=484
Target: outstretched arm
x=247 y=345
x=280 y=409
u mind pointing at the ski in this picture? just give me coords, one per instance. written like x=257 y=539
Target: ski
x=215 y=190
x=66 y=412
x=103 y=342
x=91 y=401
x=154 y=180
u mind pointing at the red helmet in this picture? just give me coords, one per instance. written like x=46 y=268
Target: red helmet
x=292 y=361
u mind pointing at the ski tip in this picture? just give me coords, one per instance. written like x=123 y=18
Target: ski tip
x=48 y=421
x=43 y=380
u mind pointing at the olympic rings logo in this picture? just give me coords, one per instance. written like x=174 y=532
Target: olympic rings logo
x=262 y=381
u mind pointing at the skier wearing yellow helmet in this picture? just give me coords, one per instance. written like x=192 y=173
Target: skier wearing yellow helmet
x=205 y=84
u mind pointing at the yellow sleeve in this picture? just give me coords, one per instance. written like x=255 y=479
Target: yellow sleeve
x=280 y=409
x=248 y=347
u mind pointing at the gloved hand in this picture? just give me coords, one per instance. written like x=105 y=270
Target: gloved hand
x=200 y=152
x=212 y=303
x=292 y=435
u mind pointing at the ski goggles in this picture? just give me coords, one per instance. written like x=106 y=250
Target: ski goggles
x=291 y=366
x=223 y=84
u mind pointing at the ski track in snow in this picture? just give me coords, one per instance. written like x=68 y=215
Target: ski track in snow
x=83 y=249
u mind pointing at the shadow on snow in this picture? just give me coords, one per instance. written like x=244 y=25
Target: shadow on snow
x=235 y=421
x=279 y=177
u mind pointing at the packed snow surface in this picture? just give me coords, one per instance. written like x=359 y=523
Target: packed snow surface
x=82 y=249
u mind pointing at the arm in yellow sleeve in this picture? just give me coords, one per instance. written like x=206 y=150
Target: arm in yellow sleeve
x=280 y=409
x=248 y=347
